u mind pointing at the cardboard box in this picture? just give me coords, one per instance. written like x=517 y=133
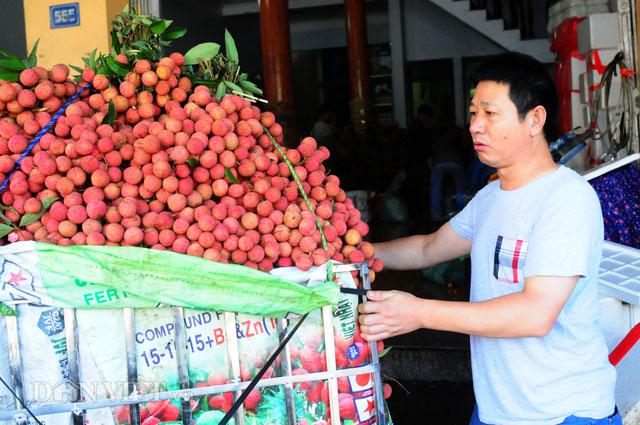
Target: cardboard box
x=598 y=31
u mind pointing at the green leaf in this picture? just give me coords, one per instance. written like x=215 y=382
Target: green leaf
x=111 y=114
x=92 y=59
x=384 y=352
x=5 y=310
x=115 y=42
x=5 y=220
x=145 y=20
x=28 y=219
x=228 y=174
x=192 y=163
x=47 y=202
x=12 y=64
x=8 y=208
x=208 y=83
x=116 y=66
x=231 y=86
x=139 y=44
x=250 y=87
x=222 y=89
x=76 y=68
x=230 y=46
x=160 y=26
x=10 y=76
x=201 y=53
x=5 y=230
x=174 y=34
x=10 y=55
x=32 y=60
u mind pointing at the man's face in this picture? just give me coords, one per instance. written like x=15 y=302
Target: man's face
x=499 y=136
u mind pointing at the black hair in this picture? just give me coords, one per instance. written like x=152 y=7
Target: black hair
x=425 y=110
x=530 y=85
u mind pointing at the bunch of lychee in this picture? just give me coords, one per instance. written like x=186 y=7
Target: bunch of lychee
x=178 y=170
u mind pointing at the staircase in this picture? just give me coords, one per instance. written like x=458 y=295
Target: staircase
x=518 y=25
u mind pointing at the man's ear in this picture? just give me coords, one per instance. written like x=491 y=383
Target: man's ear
x=536 y=119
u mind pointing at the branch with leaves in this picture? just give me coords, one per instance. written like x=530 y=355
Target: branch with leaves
x=206 y=65
x=142 y=36
x=12 y=65
x=7 y=225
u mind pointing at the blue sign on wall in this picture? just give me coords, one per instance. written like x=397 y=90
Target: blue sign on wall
x=64 y=15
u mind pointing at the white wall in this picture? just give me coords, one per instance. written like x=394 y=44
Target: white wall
x=431 y=33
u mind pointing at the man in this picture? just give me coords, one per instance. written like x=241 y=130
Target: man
x=535 y=237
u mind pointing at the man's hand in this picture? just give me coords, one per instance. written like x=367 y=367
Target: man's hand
x=388 y=313
x=391 y=313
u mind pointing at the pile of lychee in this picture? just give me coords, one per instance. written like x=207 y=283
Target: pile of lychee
x=177 y=170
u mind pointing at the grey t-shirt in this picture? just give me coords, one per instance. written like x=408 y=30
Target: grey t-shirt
x=549 y=227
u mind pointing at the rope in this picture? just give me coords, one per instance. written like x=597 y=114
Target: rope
x=260 y=374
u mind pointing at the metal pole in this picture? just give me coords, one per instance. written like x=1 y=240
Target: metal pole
x=375 y=361
x=132 y=365
x=628 y=46
x=182 y=355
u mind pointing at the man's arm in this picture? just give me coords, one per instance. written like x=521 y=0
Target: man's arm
x=420 y=251
x=530 y=313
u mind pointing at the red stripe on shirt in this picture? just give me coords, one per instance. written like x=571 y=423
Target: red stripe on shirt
x=514 y=264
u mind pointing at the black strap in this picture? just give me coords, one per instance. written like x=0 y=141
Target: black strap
x=354 y=291
x=260 y=374
x=20 y=400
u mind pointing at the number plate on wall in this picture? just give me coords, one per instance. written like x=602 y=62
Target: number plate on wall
x=64 y=15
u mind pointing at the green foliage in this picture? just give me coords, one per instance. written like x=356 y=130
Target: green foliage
x=384 y=352
x=228 y=174
x=219 y=71
x=201 y=53
x=111 y=114
x=5 y=229
x=6 y=225
x=192 y=163
x=230 y=47
x=28 y=219
x=142 y=36
x=12 y=65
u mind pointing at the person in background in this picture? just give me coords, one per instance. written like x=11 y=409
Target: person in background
x=445 y=162
x=535 y=235
x=327 y=134
x=418 y=149
x=421 y=132
x=324 y=130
